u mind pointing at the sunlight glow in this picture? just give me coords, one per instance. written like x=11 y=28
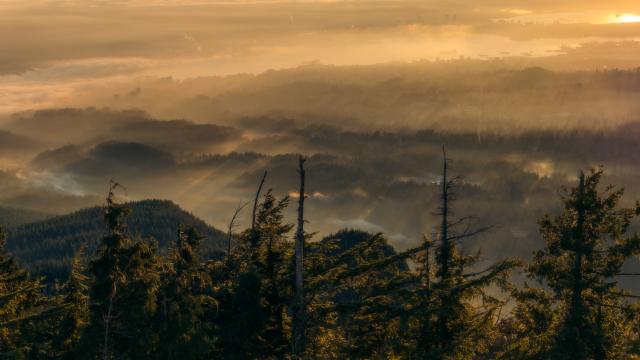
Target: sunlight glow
x=627 y=18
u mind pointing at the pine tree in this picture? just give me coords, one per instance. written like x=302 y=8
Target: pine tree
x=274 y=266
x=185 y=303
x=124 y=283
x=357 y=290
x=74 y=296
x=585 y=248
x=23 y=308
x=528 y=333
x=254 y=320
x=451 y=326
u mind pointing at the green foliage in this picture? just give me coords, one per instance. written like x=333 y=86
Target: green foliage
x=263 y=263
x=363 y=299
x=73 y=320
x=124 y=286
x=24 y=311
x=588 y=316
x=47 y=247
x=185 y=303
x=355 y=297
x=11 y=217
x=456 y=314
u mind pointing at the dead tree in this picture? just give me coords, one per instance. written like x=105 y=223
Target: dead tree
x=255 y=201
x=299 y=306
x=232 y=224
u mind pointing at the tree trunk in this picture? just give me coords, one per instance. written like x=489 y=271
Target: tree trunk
x=255 y=201
x=107 y=323
x=231 y=225
x=577 y=309
x=445 y=256
x=444 y=227
x=299 y=306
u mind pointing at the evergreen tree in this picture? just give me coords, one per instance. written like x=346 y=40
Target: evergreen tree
x=124 y=283
x=23 y=308
x=357 y=291
x=585 y=248
x=451 y=325
x=185 y=303
x=528 y=333
x=74 y=295
x=254 y=320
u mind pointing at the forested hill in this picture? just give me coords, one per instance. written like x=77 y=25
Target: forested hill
x=47 y=246
x=11 y=217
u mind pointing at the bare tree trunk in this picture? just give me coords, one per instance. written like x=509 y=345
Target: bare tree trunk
x=255 y=201
x=107 y=323
x=230 y=230
x=427 y=265
x=299 y=306
x=445 y=252
x=444 y=227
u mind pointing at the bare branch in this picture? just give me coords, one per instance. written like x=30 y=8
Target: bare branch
x=231 y=226
x=469 y=233
x=255 y=202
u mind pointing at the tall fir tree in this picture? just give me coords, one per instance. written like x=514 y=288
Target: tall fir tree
x=585 y=248
x=74 y=295
x=255 y=319
x=185 y=303
x=124 y=284
x=451 y=324
x=357 y=290
x=24 y=311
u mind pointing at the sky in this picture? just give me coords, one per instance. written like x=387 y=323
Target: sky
x=54 y=51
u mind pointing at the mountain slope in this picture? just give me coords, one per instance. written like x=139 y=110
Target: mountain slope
x=47 y=246
x=12 y=217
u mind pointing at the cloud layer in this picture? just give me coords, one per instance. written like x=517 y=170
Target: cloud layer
x=53 y=50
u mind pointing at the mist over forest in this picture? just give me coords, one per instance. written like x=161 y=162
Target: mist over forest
x=379 y=113
x=373 y=134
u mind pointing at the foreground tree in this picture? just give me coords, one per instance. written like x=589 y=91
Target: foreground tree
x=357 y=295
x=585 y=249
x=75 y=317
x=24 y=311
x=451 y=325
x=185 y=303
x=124 y=284
x=254 y=315
x=299 y=303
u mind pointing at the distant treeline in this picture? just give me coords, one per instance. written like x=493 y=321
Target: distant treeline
x=47 y=247
x=276 y=294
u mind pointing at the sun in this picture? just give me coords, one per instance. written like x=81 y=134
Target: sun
x=627 y=18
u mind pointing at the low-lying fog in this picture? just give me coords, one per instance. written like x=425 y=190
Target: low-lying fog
x=62 y=159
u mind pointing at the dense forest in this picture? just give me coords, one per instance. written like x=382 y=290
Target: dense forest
x=320 y=179
x=47 y=247
x=272 y=291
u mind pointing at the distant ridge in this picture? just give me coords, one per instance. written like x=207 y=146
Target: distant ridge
x=47 y=246
x=12 y=217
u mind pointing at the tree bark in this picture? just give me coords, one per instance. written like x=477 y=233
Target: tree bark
x=299 y=306
x=445 y=253
x=255 y=201
x=230 y=230
x=107 y=323
x=444 y=227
